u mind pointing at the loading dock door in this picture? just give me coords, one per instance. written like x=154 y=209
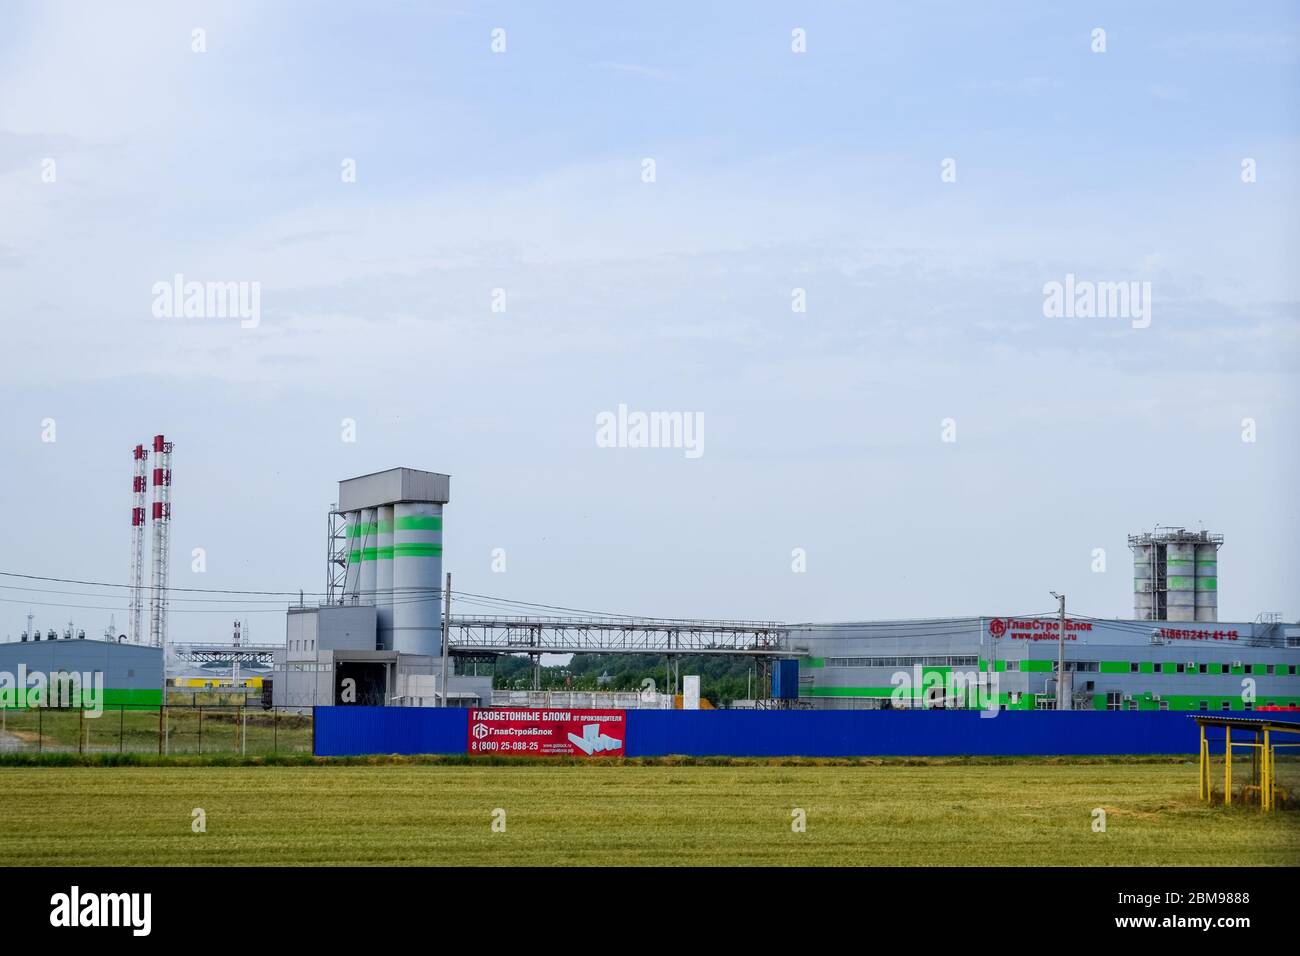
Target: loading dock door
x=370 y=683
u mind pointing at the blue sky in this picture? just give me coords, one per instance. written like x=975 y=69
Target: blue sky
x=774 y=170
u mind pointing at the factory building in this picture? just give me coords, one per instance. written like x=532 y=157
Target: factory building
x=1109 y=664
x=377 y=639
x=130 y=674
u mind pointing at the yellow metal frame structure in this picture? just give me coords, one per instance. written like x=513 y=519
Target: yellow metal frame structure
x=1262 y=747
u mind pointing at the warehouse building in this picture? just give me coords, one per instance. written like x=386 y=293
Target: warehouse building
x=1109 y=664
x=130 y=675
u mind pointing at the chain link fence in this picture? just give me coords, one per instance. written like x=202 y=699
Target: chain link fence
x=239 y=730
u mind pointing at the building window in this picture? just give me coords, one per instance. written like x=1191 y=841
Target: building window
x=1291 y=670
x=1269 y=669
x=1164 y=705
x=1114 y=700
x=1247 y=705
x=1013 y=665
x=1133 y=667
x=1204 y=668
x=1205 y=705
x=1182 y=668
x=1250 y=668
x=1132 y=705
x=1227 y=705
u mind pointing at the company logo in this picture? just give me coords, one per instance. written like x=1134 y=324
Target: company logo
x=479 y=731
x=1035 y=629
x=75 y=909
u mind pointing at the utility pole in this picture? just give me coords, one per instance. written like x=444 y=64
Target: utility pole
x=1060 y=657
x=446 y=635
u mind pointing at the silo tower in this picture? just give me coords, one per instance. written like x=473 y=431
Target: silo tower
x=394 y=554
x=1175 y=575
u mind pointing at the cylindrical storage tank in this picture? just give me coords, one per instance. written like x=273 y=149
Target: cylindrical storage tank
x=352 y=579
x=1142 y=596
x=1207 y=582
x=1180 y=581
x=368 y=542
x=417 y=578
x=384 y=578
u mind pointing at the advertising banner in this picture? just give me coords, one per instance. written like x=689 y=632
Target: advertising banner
x=548 y=732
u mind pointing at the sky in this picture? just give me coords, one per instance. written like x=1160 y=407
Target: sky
x=822 y=232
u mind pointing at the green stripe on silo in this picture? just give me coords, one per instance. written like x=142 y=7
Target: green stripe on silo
x=384 y=553
x=1179 y=561
x=417 y=550
x=418 y=523
x=362 y=530
x=354 y=557
x=385 y=527
x=369 y=554
x=1207 y=584
x=1206 y=563
x=1181 y=583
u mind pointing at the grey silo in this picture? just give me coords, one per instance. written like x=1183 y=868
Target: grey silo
x=384 y=578
x=417 y=577
x=1207 y=582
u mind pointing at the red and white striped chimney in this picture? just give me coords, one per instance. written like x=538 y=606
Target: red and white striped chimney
x=162 y=513
x=139 y=486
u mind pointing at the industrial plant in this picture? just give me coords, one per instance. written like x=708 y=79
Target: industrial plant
x=384 y=634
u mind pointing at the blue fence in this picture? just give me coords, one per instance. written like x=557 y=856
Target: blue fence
x=343 y=731
x=352 y=731
x=932 y=733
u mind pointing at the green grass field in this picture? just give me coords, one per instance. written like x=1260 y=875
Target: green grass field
x=186 y=730
x=899 y=813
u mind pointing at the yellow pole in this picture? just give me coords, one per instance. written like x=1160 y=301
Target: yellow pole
x=1200 y=766
x=1227 y=766
x=1266 y=772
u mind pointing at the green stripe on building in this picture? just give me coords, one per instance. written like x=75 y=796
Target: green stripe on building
x=384 y=553
x=418 y=523
x=417 y=550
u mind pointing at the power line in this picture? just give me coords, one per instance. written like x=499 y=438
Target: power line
x=107 y=584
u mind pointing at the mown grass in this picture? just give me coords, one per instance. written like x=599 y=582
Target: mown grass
x=420 y=811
